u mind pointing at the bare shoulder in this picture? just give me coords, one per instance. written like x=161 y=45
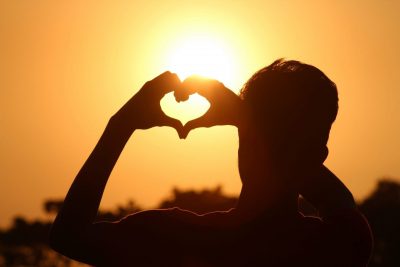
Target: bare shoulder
x=174 y=219
x=148 y=216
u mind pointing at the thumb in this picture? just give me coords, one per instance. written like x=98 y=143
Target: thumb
x=174 y=123
x=203 y=121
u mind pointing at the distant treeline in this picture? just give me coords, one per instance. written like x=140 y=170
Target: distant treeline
x=25 y=242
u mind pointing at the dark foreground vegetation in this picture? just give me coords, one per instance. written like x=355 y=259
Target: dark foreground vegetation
x=25 y=242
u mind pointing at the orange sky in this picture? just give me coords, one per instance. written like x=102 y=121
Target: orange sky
x=67 y=66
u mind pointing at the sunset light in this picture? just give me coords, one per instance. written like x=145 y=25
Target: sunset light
x=83 y=82
x=204 y=55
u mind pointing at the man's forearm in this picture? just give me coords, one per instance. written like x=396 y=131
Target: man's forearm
x=83 y=199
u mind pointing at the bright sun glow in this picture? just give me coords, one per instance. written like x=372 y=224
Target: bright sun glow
x=200 y=54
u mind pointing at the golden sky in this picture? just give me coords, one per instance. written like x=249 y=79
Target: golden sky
x=67 y=66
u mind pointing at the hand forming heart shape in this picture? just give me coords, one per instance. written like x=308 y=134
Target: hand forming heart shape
x=225 y=105
x=143 y=110
x=195 y=107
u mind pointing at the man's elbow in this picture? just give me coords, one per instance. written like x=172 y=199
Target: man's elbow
x=58 y=239
x=62 y=239
x=351 y=232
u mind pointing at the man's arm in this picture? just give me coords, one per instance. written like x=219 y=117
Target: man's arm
x=349 y=238
x=73 y=233
x=326 y=192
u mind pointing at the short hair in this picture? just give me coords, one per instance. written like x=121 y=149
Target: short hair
x=292 y=96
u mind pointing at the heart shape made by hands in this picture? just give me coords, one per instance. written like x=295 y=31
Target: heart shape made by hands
x=185 y=111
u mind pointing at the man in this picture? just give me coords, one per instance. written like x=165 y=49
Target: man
x=283 y=115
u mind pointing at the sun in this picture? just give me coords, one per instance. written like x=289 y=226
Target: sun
x=202 y=54
x=198 y=54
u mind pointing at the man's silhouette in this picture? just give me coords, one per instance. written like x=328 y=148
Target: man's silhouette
x=283 y=115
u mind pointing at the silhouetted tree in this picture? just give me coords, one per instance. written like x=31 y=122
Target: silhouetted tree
x=382 y=209
x=52 y=206
x=25 y=242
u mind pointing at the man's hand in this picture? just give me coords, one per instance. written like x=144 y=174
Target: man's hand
x=225 y=109
x=143 y=110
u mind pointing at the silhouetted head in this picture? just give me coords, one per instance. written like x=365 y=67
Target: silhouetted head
x=292 y=106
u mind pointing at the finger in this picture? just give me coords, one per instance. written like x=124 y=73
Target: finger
x=203 y=121
x=166 y=82
x=203 y=86
x=193 y=84
x=174 y=123
x=181 y=94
